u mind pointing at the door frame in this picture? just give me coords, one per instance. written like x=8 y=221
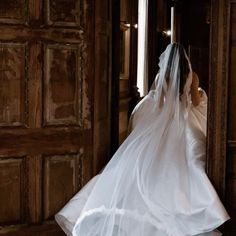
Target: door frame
x=218 y=91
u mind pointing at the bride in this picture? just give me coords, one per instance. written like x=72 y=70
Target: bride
x=155 y=184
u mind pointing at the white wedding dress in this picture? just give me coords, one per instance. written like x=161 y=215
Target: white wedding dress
x=155 y=184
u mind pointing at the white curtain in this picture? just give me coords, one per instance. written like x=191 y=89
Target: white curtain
x=142 y=72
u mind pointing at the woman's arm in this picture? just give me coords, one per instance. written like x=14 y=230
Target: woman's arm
x=195 y=93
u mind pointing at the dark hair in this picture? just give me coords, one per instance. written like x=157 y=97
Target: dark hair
x=183 y=65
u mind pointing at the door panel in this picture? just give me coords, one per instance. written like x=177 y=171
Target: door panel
x=62 y=85
x=12 y=84
x=68 y=166
x=12 y=180
x=63 y=12
x=13 y=11
x=46 y=94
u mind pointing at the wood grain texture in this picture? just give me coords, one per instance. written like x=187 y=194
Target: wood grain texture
x=61 y=179
x=218 y=89
x=13 y=97
x=34 y=88
x=46 y=34
x=62 y=85
x=34 y=186
x=48 y=229
x=46 y=110
x=221 y=144
x=45 y=141
x=13 y=11
x=63 y=12
x=13 y=190
x=231 y=135
x=232 y=76
x=102 y=85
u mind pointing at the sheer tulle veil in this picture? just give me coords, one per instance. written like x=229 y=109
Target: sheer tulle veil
x=146 y=188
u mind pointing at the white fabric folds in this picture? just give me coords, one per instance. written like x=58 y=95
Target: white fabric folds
x=155 y=184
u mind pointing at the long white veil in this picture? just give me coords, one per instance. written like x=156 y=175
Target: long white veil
x=145 y=189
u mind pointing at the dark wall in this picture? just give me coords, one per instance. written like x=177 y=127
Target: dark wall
x=194 y=35
x=158 y=22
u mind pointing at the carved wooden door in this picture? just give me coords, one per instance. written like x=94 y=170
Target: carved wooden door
x=46 y=81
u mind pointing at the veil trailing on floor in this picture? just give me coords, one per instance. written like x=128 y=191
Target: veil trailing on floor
x=154 y=184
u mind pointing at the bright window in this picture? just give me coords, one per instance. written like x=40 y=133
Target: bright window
x=142 y=71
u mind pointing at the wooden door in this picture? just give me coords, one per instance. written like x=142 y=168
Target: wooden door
x=46 y=90
x=222 y=101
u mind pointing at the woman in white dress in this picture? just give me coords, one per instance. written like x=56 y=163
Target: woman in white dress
x=155 y=184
